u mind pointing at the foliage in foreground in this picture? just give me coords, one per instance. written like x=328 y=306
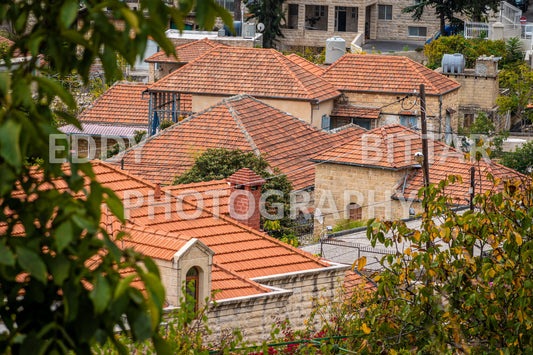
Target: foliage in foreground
x=521 y=159
x=64 y=285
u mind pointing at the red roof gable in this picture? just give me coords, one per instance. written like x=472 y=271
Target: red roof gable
x=307 y=65
x=186 y=53
x=240 y=122
x=387 y=74
x=259 y=72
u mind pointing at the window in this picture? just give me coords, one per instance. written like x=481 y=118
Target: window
x=326 y=122
x=408 y=121
x=292 y=19
x=346 y=19
x=417 y=31
x=385 y=12
x=362 y=122
x=227 y=4
x=192 y=281
x=316 y=17
x=355 y=212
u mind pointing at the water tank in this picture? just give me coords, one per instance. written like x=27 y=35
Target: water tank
x=248 y=30
x=335 y=48
x=453 y=63
x=237 y=25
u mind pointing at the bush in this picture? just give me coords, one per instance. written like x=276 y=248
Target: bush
x=346 y=224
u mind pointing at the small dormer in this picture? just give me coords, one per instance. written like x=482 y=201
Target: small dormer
x=192 y=263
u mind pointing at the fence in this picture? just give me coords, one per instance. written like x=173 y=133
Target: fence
x=509 y=14
x=477 y=30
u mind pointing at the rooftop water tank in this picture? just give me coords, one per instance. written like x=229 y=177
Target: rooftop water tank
x=453 y=63
x=335 y=48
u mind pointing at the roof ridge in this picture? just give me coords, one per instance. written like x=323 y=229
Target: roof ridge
x=285 y=113
x=345 y=55
x=184 y=66
x=115 y=158
x=419 y=69
x=236 y=117
x=278 y=58
x=123 y=172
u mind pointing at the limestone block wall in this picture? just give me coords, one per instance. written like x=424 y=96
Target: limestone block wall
x=338 y=185
x=476 y=90
x=436 y=107
x=298 y=108
x=397 y=27
x=292 y=299
x=302 y=36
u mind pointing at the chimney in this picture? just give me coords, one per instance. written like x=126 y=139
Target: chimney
x=245 y=194
x=157 y=191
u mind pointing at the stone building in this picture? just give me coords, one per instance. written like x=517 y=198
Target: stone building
x=479 y=90
x=240 y=122
x=310 y=23
x=224 y=71
x=376 y=176
x=381 y=90
x=259 y=280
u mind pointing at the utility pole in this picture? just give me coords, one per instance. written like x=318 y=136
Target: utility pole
x=425 y=164
x=472 y=186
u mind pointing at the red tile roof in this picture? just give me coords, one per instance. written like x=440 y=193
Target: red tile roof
x=230 y=284
x=240 y=122
x=123 y=104
x=262 y=73
x=186 y=53
x=214 y=193
x=393 y=147
x=241 y=253
x=459 y=192
x=307 y=65
x=387 y=74
x=355 y=111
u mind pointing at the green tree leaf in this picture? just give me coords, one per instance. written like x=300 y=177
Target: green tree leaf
x=32 y=263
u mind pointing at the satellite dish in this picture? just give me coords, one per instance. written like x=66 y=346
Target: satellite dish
x=260 y=27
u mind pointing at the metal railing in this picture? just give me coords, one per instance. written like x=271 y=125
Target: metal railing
x=477 y=30
x=509 y=13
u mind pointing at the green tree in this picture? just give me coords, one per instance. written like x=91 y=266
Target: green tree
x=271 y=14
x=447 y=10
x=460 y=283
x=470 y=48
x=62 y=286
x=519 y=82
x=521 y=159
x=220 y=163
x=484 y=129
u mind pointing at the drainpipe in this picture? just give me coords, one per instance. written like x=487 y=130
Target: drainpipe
x=314 y=109
x=440 y=116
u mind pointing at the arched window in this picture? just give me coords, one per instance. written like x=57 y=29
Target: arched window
x=192 y=280
x=355 y=212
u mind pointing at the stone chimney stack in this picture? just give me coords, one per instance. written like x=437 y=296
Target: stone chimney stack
x=245 y=194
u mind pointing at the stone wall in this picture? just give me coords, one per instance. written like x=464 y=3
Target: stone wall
x=398 y=27
x=298 y=108
x=436 y=108
x=298 y=33
x=292 y=298
x=337 y=185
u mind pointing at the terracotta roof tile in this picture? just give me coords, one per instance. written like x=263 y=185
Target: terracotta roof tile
x=393 y=147
x=240 y=252
x=230 y=284
x=355 y=111
x=259 y=72
x=383 y=73
x=307 y=65
x=186 y=52
x=240 y=122
x=122 y=104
